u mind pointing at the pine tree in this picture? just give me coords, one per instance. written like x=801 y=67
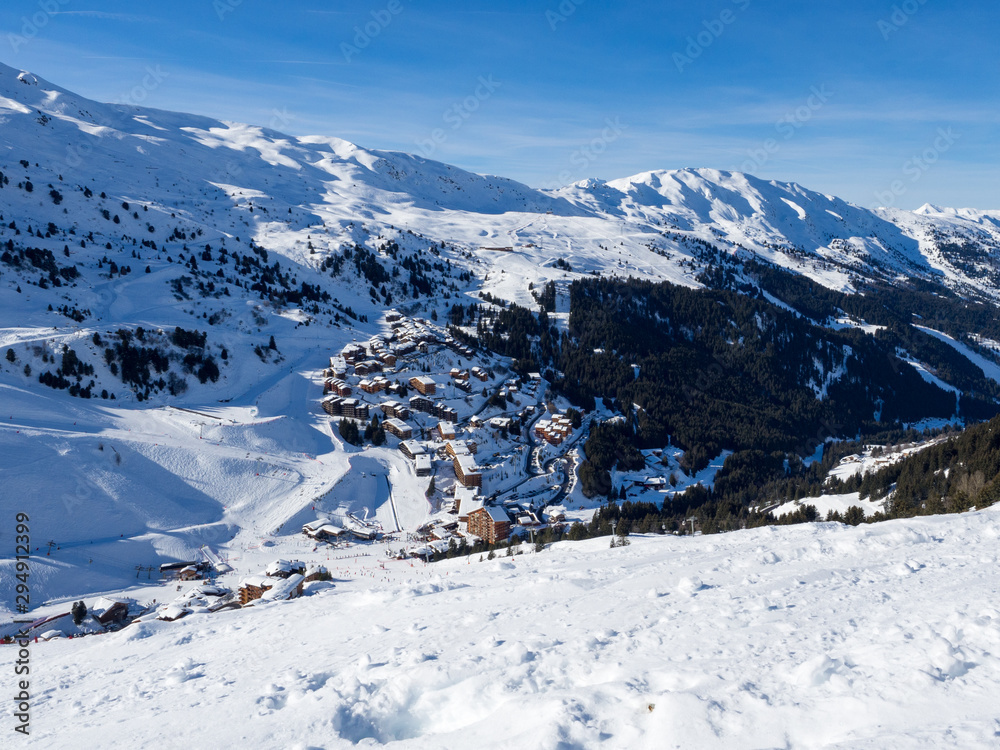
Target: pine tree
x=79 y=612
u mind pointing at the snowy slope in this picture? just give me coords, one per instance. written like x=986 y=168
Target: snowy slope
x=811 y=636
x=141 y=482
x=284 y=192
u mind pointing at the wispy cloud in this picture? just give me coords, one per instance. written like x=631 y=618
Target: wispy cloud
x=105 y=16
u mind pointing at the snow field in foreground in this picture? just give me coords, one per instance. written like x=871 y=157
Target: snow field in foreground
x=883 y=636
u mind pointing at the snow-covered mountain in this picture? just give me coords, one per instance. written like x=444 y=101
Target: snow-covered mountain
x=171 y=288
x=233 y=180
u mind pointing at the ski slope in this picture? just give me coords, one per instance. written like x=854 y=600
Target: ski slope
x=814 y=636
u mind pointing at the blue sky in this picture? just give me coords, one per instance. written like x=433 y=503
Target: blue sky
x=877 y=102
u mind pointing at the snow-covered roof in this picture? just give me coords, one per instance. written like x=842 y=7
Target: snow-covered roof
x=459 y=447
x=283 y=589
x=172 y=612
x=104 y=604
x=257 y=580
x=278 y=566
x=413 y=447
x=496 y=514
x=467 y=464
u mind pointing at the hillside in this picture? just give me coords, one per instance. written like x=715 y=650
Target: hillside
x=154 y=262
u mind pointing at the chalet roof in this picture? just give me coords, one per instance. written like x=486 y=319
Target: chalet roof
x=469 y=505
x=459 y=447
x=283 y=589
x=105 y=604
x=467 y=464
x=413 y=447
x=278 y=566
x=424 y=380
x=499 y=515
x=173 y=612
x=258 y=580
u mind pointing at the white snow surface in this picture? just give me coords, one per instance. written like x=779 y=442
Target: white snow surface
x=882 y=636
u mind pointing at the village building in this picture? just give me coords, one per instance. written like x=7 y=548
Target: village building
x=467 y=472
x=109 y=612
x=421 y=404
x=172 y=570
x=322 y=530
x=284 y=568
x=424 y=385
x=422 y=464
x=338 y=367
x=460 y=448
x=254 y=588
x=337 y=387
x=173 y=613
x=316 y=572
x=398 y=428
x=395 y=409
x=411 y=449
x=490 y=524
x=467 y=499
x=367 y=367
x=446 y=430
x=353 y=409
x=444 y=412
x=352 y=353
